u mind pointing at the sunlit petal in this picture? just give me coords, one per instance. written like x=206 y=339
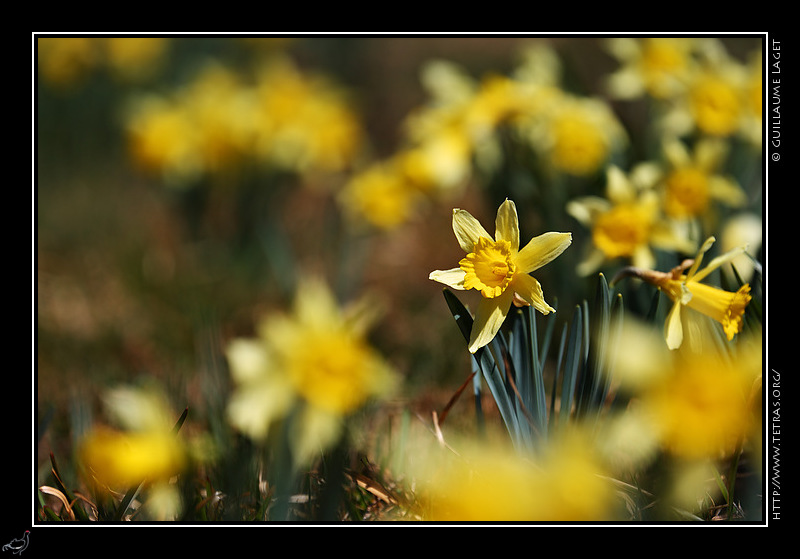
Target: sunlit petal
x=451 y=278
x=488 y=319
x=507 y=224
x=541 y=250
x=530 y=290
x=467 y=229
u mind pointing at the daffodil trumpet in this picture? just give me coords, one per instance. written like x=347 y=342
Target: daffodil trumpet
x=683 y=286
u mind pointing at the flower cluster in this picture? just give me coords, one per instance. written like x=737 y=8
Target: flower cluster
x=223 y=120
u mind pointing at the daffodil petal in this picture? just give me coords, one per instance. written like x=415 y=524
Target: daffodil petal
x=673 y=329
x=451 y=278
x=507 y=224
x=719 y=261
x=541 y=250
x=530 y=290
x=467 y=229
x=488 y=319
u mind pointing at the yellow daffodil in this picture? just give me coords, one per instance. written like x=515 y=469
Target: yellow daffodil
x=575 y=135
x=627 y=223
x=491 y=483
x=692 y=181
x=684 y=288
x=694 y=404
x=717 y=98
x=656 y=66
x=499 y=269
x=316 y=361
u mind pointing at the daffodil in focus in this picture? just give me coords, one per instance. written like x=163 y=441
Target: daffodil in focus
x=499 y=269
x=627 y=223
x=683 y=285
x=314 y=366
x=490 y=482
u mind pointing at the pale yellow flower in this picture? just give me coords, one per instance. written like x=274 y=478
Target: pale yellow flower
x=692 y=181
x=685 y=289
x=303 y=122
x=316 y=361
x=576 y=135
x=693 y=404
x=380 y=195
x=718 y=99
x=627 y=223
x=656 y=66
x=493 y=483
x=499 y=269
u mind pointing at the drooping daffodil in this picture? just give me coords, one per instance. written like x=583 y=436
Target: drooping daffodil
x=499 y=269
x=683 y=285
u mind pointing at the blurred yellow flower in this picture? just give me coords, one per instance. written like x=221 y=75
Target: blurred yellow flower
x=120 y=459
x=380 y=195
x=692 y=181
x=135 y=58
x=702 y=407
x=718 y=98
x=499 y=269
x=143 y=447
x=656 y=66
x=492 y=483
x=576 y=135
x=627 y=223
x=317 y=360
x=686 y=289
x=695 y=404
x=303 y=122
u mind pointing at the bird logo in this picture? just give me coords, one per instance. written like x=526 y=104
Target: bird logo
x=18 y=545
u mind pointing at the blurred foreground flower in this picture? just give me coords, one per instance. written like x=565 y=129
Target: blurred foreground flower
x=627 y=223
x=499 y=269
x=144 y=448
x=686 y=289
x=313 y=368
x=490 y=483
x=696 y=404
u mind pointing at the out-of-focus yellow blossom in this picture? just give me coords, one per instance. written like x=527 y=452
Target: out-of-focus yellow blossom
x=219 y=106
x=380 y=195
x=717 y=100
x=491 y=483
x=120 y=459
x=499 y=269
x=685 y=288
x=162 y=140
x=656 y=66
x=303 y=122
x=692 y=182
x=702 y=407
x=142 y=447
x=752 y=128
x=628 y=222
x=64 y=61
x=695 y=404
x=576 y=135
x=316 y=362
x=135 y=58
